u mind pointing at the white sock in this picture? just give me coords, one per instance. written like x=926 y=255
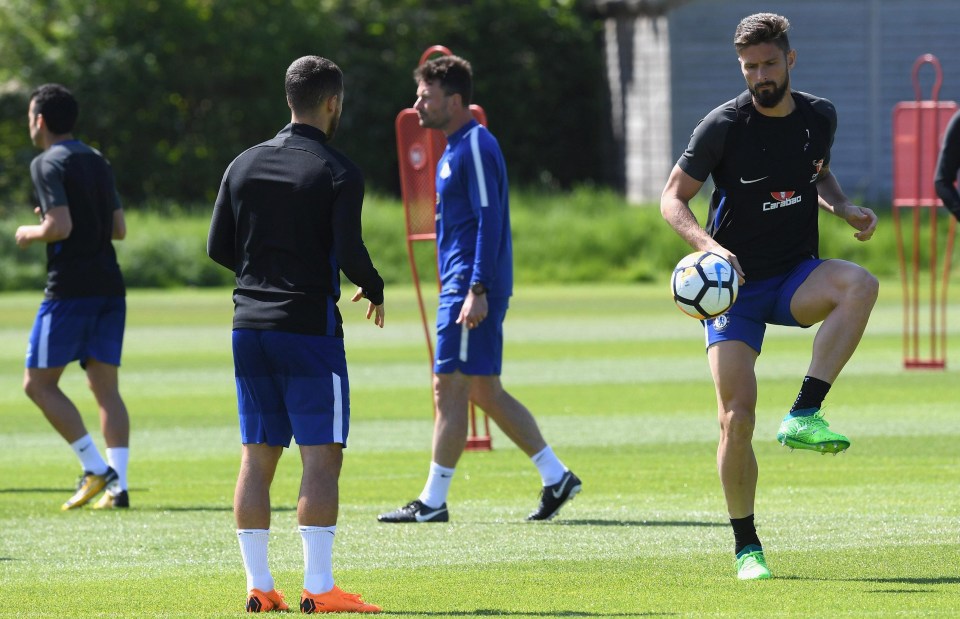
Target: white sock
x=550 y=467
x=318 y=558
x=118 y=458
x=437 y=487
x=89 y=455
x=253 y=549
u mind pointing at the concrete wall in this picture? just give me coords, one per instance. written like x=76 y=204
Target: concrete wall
x=857 y=53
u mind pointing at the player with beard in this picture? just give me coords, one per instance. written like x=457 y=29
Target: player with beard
x=768 y=151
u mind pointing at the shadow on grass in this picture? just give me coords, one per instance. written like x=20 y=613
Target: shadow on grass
x=490 y=612
x=203 y=508
x=597 y=522
x=932 y=580
x=54 y=490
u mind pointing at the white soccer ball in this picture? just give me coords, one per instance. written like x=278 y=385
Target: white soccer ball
x=704 y=285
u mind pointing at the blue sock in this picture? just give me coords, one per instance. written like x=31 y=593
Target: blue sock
x=748 y=549
x=804 y=412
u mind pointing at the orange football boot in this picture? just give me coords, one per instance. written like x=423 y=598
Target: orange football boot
x=334 y=601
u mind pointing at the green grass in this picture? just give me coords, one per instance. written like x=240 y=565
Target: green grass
x=618 y=380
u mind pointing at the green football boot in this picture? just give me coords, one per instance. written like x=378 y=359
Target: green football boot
x=811 y=432
x=751 y=565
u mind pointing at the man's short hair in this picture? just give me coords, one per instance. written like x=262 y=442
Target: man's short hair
x=762 y=28
x=58 y=106
x=453 y=73
x=310 y=81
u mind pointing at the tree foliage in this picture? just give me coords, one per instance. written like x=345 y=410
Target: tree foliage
x=172 y=90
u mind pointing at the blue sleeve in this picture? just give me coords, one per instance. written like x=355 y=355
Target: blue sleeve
x=486 y=182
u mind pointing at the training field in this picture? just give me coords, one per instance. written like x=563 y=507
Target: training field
x=619 y=383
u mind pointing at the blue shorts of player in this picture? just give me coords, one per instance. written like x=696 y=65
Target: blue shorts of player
x=291 y=385
x=759 y=303
x=77 y=329
x=475 y=352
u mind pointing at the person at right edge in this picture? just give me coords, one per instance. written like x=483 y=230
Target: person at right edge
x=768 y=151
x=948 y=164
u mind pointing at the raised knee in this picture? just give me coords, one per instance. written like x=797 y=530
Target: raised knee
x=865 y=288
x=872 y=285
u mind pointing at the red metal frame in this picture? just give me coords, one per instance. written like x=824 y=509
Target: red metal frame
x=917 y=133
x=417 y=157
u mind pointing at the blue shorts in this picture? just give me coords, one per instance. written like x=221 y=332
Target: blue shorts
x=475 y=352
x=291 y=385
x=77 y=329
x=760 y=303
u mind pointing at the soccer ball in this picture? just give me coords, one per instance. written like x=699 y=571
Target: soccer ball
x=704 y=285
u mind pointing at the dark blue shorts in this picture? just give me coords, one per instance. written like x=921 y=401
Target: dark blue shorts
x=77 y=329
x=291 y=386
x=759 y=303
x=475 y=352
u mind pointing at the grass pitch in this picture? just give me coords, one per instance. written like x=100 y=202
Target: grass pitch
x=619 y=383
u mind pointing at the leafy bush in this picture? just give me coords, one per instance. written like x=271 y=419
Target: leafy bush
x=585 y=235
x=171 y=91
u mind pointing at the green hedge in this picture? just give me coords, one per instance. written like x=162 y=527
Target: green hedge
x=171 y=91
x=586 y=235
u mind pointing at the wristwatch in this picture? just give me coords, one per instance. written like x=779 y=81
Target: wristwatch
x=478 y=288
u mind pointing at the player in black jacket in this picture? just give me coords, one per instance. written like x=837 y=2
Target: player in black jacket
x=287 y=222
x=768 y=152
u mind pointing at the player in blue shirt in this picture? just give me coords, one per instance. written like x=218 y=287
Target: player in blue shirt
x=476 y=281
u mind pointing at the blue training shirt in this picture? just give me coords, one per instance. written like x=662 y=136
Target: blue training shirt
x=473 y=215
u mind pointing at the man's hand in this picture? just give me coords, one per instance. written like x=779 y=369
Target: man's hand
x=863 y=219
x=372 y=310
x=474 y=310
x=730 y=257
x=23 y=236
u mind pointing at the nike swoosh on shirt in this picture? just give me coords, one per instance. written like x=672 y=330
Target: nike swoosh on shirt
x=755 y=180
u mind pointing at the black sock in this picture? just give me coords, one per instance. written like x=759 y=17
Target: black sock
x=812 y=392
x=744 y=533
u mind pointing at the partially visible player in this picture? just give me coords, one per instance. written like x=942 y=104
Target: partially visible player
x=768 y=151
x=287 y=222
x=84 y=308
x=476 y=271
x=948 y=165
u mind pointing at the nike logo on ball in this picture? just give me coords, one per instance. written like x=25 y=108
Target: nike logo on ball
x=756 y=180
